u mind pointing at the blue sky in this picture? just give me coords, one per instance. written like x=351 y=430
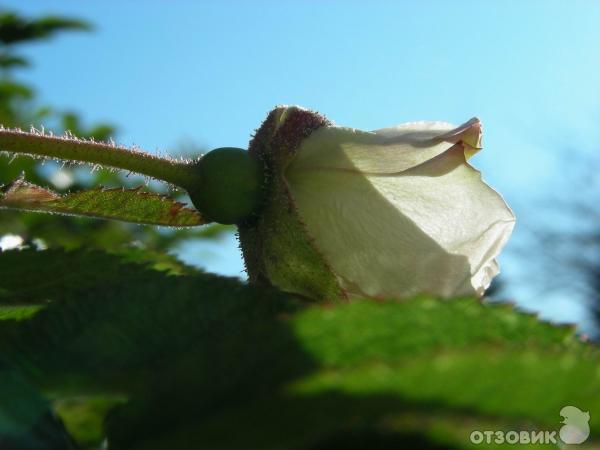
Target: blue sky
x=207 y=72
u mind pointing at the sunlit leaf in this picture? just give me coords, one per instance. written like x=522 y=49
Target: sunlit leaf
x=84 y=416
x=19 y=312
x=128 y=205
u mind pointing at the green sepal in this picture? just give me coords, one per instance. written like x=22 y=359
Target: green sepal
x=278 y=250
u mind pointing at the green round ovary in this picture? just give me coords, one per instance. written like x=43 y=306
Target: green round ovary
x=230 y=185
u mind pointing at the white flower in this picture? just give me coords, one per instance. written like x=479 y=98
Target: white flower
x=398 y=211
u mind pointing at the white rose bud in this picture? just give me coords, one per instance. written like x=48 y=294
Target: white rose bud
x=389 y=213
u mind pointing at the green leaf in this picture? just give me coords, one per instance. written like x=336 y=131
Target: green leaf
x=84 y=416
x=14 y=28
x=131 y=205
x=138 y=324
x=194 y=354
x=386 y=368
x=7 y=61
x=26 y=420
x=34 y=277
x=16 y=312
x=13 y=90
x=489 y=359
x=368 y=330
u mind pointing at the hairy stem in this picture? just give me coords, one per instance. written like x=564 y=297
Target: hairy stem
x=179 y=173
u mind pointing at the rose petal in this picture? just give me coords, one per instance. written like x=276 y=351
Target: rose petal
x=397 y=148
x=434 y=228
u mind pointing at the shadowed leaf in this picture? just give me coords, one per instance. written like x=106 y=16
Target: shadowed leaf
x=26 y=420
x=34 y=277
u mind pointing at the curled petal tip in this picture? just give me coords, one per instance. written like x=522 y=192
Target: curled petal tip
x=468 y=134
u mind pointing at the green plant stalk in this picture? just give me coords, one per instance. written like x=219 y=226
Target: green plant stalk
x=69 y=148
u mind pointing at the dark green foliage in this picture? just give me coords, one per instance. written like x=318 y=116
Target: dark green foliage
x=36 y=277
x=14 y=28
x=7 y=61
x=26 y=420
x=185 y=357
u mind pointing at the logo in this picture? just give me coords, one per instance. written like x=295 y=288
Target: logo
x=575 y=430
